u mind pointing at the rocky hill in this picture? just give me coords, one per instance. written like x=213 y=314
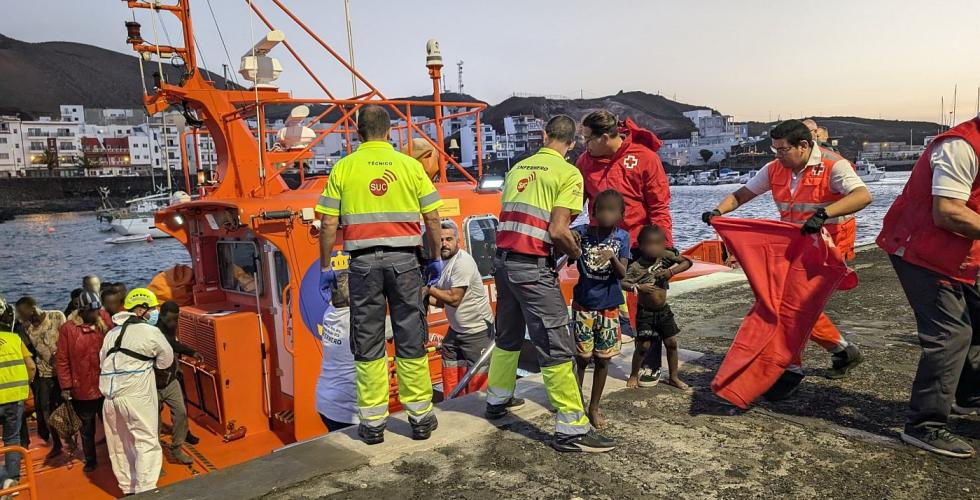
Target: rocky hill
x=38 y=77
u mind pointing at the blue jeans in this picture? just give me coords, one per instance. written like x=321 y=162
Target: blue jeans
x=10 y=419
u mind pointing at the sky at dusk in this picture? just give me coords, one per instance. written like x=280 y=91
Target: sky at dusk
x=750 y=59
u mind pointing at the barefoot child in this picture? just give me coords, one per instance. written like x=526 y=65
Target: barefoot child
x=598 y=295
x=647 y=277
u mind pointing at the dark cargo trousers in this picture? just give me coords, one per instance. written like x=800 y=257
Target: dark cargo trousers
x=529 y=299
x=388 y=281
x=947 y=316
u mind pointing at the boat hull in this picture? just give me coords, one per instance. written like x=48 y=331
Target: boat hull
x=138 y=225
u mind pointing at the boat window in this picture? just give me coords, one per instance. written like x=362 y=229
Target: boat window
x=282 y=273
x=481 y=241
x=238 y=263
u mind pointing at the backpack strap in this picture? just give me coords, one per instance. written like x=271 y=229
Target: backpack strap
x=117 y=347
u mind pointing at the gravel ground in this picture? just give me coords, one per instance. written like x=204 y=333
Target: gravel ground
x=836 y=439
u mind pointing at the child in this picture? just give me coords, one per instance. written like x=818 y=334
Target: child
x=336 y=393
x=597 y=295
x=647 y=277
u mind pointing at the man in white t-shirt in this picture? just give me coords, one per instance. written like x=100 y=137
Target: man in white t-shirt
x=817 y=188
x=336 y=389
x=932 y=236
x=460 y=291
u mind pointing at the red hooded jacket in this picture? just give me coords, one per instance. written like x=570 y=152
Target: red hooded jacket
x=77 y=360
x=636 y=172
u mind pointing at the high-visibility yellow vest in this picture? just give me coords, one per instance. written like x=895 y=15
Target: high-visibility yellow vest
x=379 y=195
x=532 y=189
x=13 y=370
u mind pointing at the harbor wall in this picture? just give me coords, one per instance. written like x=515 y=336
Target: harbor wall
x=20 y=196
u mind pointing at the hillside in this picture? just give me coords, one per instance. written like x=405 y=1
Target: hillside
x=38 y=77
x=654 y=112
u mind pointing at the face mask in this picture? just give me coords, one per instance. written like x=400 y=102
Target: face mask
x=154 y=316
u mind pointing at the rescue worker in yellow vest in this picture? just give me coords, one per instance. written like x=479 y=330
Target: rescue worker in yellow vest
x=379 y=196
x=17 y=371
x=816 y=187
x=541 y=196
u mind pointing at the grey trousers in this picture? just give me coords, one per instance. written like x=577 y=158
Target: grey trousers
x=174 y=398
x=947 y=315
x=386 y=281
x=529 y=297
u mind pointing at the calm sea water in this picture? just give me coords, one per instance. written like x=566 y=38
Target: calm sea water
x=47 y=255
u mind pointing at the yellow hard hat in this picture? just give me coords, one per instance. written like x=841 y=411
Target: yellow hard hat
x=140 y=297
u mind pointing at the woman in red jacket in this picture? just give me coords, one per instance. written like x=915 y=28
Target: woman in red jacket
x=77 y=366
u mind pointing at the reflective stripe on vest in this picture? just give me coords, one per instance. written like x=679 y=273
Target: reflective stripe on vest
x=387 y=229
x=13 y=369
x=524 y=228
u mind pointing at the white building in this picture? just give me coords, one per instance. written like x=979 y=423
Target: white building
x=11 y=150
x=715 y=133
x=468 y=139
x=523 y=134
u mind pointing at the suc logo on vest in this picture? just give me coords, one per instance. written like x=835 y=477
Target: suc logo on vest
x=379 y=186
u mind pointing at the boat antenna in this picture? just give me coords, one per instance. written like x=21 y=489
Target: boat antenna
x=350 y=48
x=952 y=121
x=156 y=43
x=139 y=57
x=258 y=114
x=224 y=46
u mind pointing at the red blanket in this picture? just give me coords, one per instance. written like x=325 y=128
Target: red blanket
x=792 y=277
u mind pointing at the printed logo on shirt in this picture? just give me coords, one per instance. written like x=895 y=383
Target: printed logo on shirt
x=379 y=186
x=522 y=184
x=630 y=162
x=818 y=170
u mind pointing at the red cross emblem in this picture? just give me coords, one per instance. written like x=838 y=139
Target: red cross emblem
x=630 y=162
x=818 y=169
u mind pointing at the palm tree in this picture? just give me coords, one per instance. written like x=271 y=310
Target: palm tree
x=49 y=158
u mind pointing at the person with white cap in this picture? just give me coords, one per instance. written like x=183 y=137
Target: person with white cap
x=129 y=354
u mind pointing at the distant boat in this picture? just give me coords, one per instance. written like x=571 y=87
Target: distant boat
x=869 y=172
x=137 y=217
x=135 y=238
x=746 y=177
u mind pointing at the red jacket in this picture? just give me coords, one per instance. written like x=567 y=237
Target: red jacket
x=77 y=359
x=909 y=231
x=636 y=172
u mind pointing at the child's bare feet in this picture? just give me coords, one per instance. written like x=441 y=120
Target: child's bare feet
x=633 y=382
x=597 y=421
x=679 y=384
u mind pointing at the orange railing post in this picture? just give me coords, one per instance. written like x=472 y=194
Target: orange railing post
x=30 y=485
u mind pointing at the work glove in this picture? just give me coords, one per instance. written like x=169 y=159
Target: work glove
x=327 y=280
x=433 y=270
x=706 y=216
x=815 y=222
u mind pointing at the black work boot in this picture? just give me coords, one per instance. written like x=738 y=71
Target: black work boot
x=784 y=388
x=423 y=428
x=496 y=412
x=590 y=442
x=842 y=362
x=371 y=435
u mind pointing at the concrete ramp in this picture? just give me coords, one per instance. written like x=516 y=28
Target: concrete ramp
x=460 y=420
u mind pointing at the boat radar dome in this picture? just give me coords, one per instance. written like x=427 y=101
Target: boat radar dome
x=294 y=135
x=433 y=54
x=257 y=66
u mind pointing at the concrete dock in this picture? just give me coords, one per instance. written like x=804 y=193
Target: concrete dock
x=835 y=439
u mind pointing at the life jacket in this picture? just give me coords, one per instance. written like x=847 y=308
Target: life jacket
x=908 y=230
x=812 y=192
x=14 y=380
